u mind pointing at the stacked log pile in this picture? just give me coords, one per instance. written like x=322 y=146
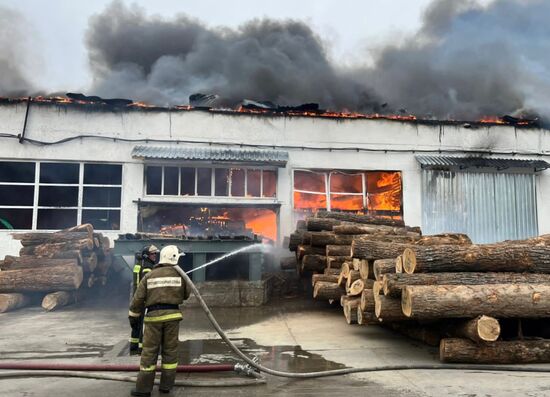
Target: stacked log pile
x=55 y=267
x=473 y=301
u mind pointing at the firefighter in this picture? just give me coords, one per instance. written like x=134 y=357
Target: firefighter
x=145 y=261
x=159 y=296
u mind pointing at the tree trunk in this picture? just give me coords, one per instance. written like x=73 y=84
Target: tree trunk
x=350 y=310
x=322 y=239
x=58 y=299
x=454 y=350
x=29 y=239
x=357 y=229
x=325 y=290
x=321 y=224
x=86 y=227
x=306 y=238
x=399 y=264
x=365 y=248
x=288 y=263
x=89 y=263
x=295 y=240
x=388 y=309
x=480 y=329
x=347 y=217
x=364 y=268
x=25 y=262
x=367 y=300
x=366 y=317
x=301 y=225
x=56 y=278
x=331 y=272
x=304 y=250
x=344 y=273
x=394 y=283
x=352 y=277
x=467 y=301
x=383 y=266
x=49 y=249
x=422 y=333
x=323 y=277
x=377 y=288
x=9 y=302
x=526 y=256
x=315 y=263
x=338 y=250
x=337 y=261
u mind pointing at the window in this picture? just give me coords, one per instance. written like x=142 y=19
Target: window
x=49 y=196
x=17 y=181
x=210 y=181
x=374 y=192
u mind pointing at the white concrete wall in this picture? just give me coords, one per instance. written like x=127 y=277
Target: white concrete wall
x=52 y=123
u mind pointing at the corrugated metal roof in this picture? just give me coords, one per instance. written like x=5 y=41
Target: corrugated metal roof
x=273 y=157
x=438 y=162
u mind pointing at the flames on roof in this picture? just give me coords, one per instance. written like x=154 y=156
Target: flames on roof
x=247 y=106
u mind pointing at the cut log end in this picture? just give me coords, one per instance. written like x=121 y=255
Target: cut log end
x=408 y=261
x=406 y=305
x=488 y=328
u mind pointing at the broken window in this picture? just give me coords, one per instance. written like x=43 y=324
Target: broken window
x=310 y=190
x=254 y=183
x=204 y=181
x=221 y=181
x=237 y=176
x=384 y=191
x=346 y=191
x=154 y=180
x=171 y=181
x=187 y=181
x=269 y=183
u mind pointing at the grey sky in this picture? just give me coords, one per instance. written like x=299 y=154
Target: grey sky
x=350 y=28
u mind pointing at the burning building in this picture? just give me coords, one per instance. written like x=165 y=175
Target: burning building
x=127 y=167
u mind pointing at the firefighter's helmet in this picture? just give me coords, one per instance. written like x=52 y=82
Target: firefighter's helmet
x=148 y=250
x=170 y=255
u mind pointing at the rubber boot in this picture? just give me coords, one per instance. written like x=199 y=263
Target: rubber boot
x=144 y=384
x=167 y=380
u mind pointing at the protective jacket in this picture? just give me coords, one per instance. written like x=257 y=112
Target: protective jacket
x=160 y=292
x=141 y=268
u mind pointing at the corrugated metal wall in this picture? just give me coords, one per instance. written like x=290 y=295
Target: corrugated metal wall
x=487 y=206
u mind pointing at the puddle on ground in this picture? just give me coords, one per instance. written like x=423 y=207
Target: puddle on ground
x=75 y=350
x=282 y=358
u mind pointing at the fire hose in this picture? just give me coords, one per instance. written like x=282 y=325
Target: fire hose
x=252 y=369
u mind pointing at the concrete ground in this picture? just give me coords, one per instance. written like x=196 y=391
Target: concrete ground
x=289 y=334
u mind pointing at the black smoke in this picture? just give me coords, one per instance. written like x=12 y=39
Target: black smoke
x=164 y=61
x=14 y=55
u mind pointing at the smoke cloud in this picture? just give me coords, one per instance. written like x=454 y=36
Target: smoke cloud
x=13 y=55
x=164 y=61
x=469 y=61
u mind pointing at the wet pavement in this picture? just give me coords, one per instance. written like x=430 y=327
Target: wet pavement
x=295 y=335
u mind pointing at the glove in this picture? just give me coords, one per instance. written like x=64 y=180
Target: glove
x=134 y=321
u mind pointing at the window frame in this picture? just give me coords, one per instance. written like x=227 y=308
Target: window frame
x=80 y=186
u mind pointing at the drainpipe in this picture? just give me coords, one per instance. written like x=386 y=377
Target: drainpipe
x=22 y=135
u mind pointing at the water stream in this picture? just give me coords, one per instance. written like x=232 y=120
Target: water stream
x=221 y=258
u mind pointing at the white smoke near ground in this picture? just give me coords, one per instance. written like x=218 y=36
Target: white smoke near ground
x=14 y=54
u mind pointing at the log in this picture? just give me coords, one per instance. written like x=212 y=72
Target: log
x=103 y=265
x=86 y=227
x=289 y=263
x=306 y=238
x=89 y=262
x=377 y=288
x=367 y=301
x=366 y=317
x=468 y=301
x=74 y=254
x=345 y=298
x=51 y=249
x=383 y=266
x=352 y=277
x=356 y=288
x=388 y=309
x=364 y=268
x=338 y=250
x=323 y=277
x=315 y=263
x=301 y=225
x=351 y=228
x=365 y=248
x=9 y=302
x=480 y=329
x=25 y=262
x=335 y=262
x=399 y=264
x=57 y=278
x=324 y=291
x=304 y=250
x=344 y=273
x=28 y=239
x=322 y=239
x=320 y=224
x=356 y=264
x=55 y=300
x=295 y=240
x=331 y=272
x=454 y=350
x=526 y=256
x=445 y=239
x=350 y=310
x=394 y=283
x=422 y=333
x=368 y=219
